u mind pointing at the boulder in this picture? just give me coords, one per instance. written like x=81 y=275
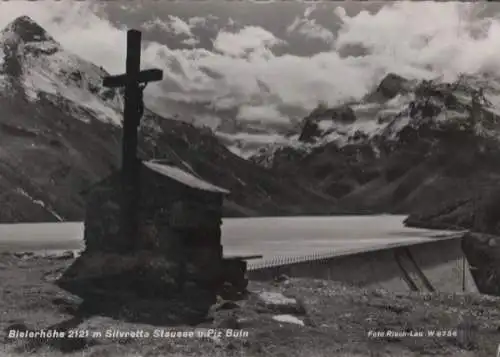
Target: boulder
x=278 y=303
x=484 y=258
x=290 y=319
x=65 y=255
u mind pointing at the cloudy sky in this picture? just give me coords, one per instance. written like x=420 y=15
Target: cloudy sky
x=274 y=62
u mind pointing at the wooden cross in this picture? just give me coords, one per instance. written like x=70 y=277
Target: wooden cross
x=134 y=80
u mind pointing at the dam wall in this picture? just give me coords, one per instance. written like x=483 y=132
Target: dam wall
x=436 y=265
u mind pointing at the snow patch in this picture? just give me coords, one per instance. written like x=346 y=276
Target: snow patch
x=343 y=134
x=326 y=125
x=238 y=151
x=254 y=138
x=184 y=177
x=263 y=113
x=2 y=57
x=2 y=76
x=288 y=319
x=207 y=120
x=36 y=82
x=40 y=203
x=246 y=145
x=394 y=127
x=63 y=75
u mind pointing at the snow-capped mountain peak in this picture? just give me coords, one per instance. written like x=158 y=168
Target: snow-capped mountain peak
x=399 y=110
x=26 y=30
x=37 y=67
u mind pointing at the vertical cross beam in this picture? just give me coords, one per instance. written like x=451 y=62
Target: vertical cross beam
x=130 y=168
x=131 y=120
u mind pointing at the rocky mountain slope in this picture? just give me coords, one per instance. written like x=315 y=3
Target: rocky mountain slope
x=408 y=147
x=418 y=147
x=60 y=132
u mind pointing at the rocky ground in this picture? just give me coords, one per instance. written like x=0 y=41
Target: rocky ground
x=293 y=317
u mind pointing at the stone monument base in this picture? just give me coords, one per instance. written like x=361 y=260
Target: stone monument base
x=142 y=286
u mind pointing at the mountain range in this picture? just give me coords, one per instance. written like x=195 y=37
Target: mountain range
x=61 y=131
x=426 y=148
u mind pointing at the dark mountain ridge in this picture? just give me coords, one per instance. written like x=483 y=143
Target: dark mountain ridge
x=437 y=148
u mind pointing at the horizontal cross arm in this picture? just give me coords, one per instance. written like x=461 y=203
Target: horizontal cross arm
x=146 y=76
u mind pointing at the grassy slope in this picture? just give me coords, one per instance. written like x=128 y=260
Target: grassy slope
x=337 y=321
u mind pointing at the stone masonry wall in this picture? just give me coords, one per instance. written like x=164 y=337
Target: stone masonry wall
x=102 y=220
x=178 y=226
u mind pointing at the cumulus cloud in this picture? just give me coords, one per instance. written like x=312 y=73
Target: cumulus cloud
x=200 y=21
x=197 y=21
x=309 y=10
x=415 y=39
x=179 y=26
x=191 y=41
x=309 y=27
x=441 y=39
x=247 y=40
x=172 y=24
